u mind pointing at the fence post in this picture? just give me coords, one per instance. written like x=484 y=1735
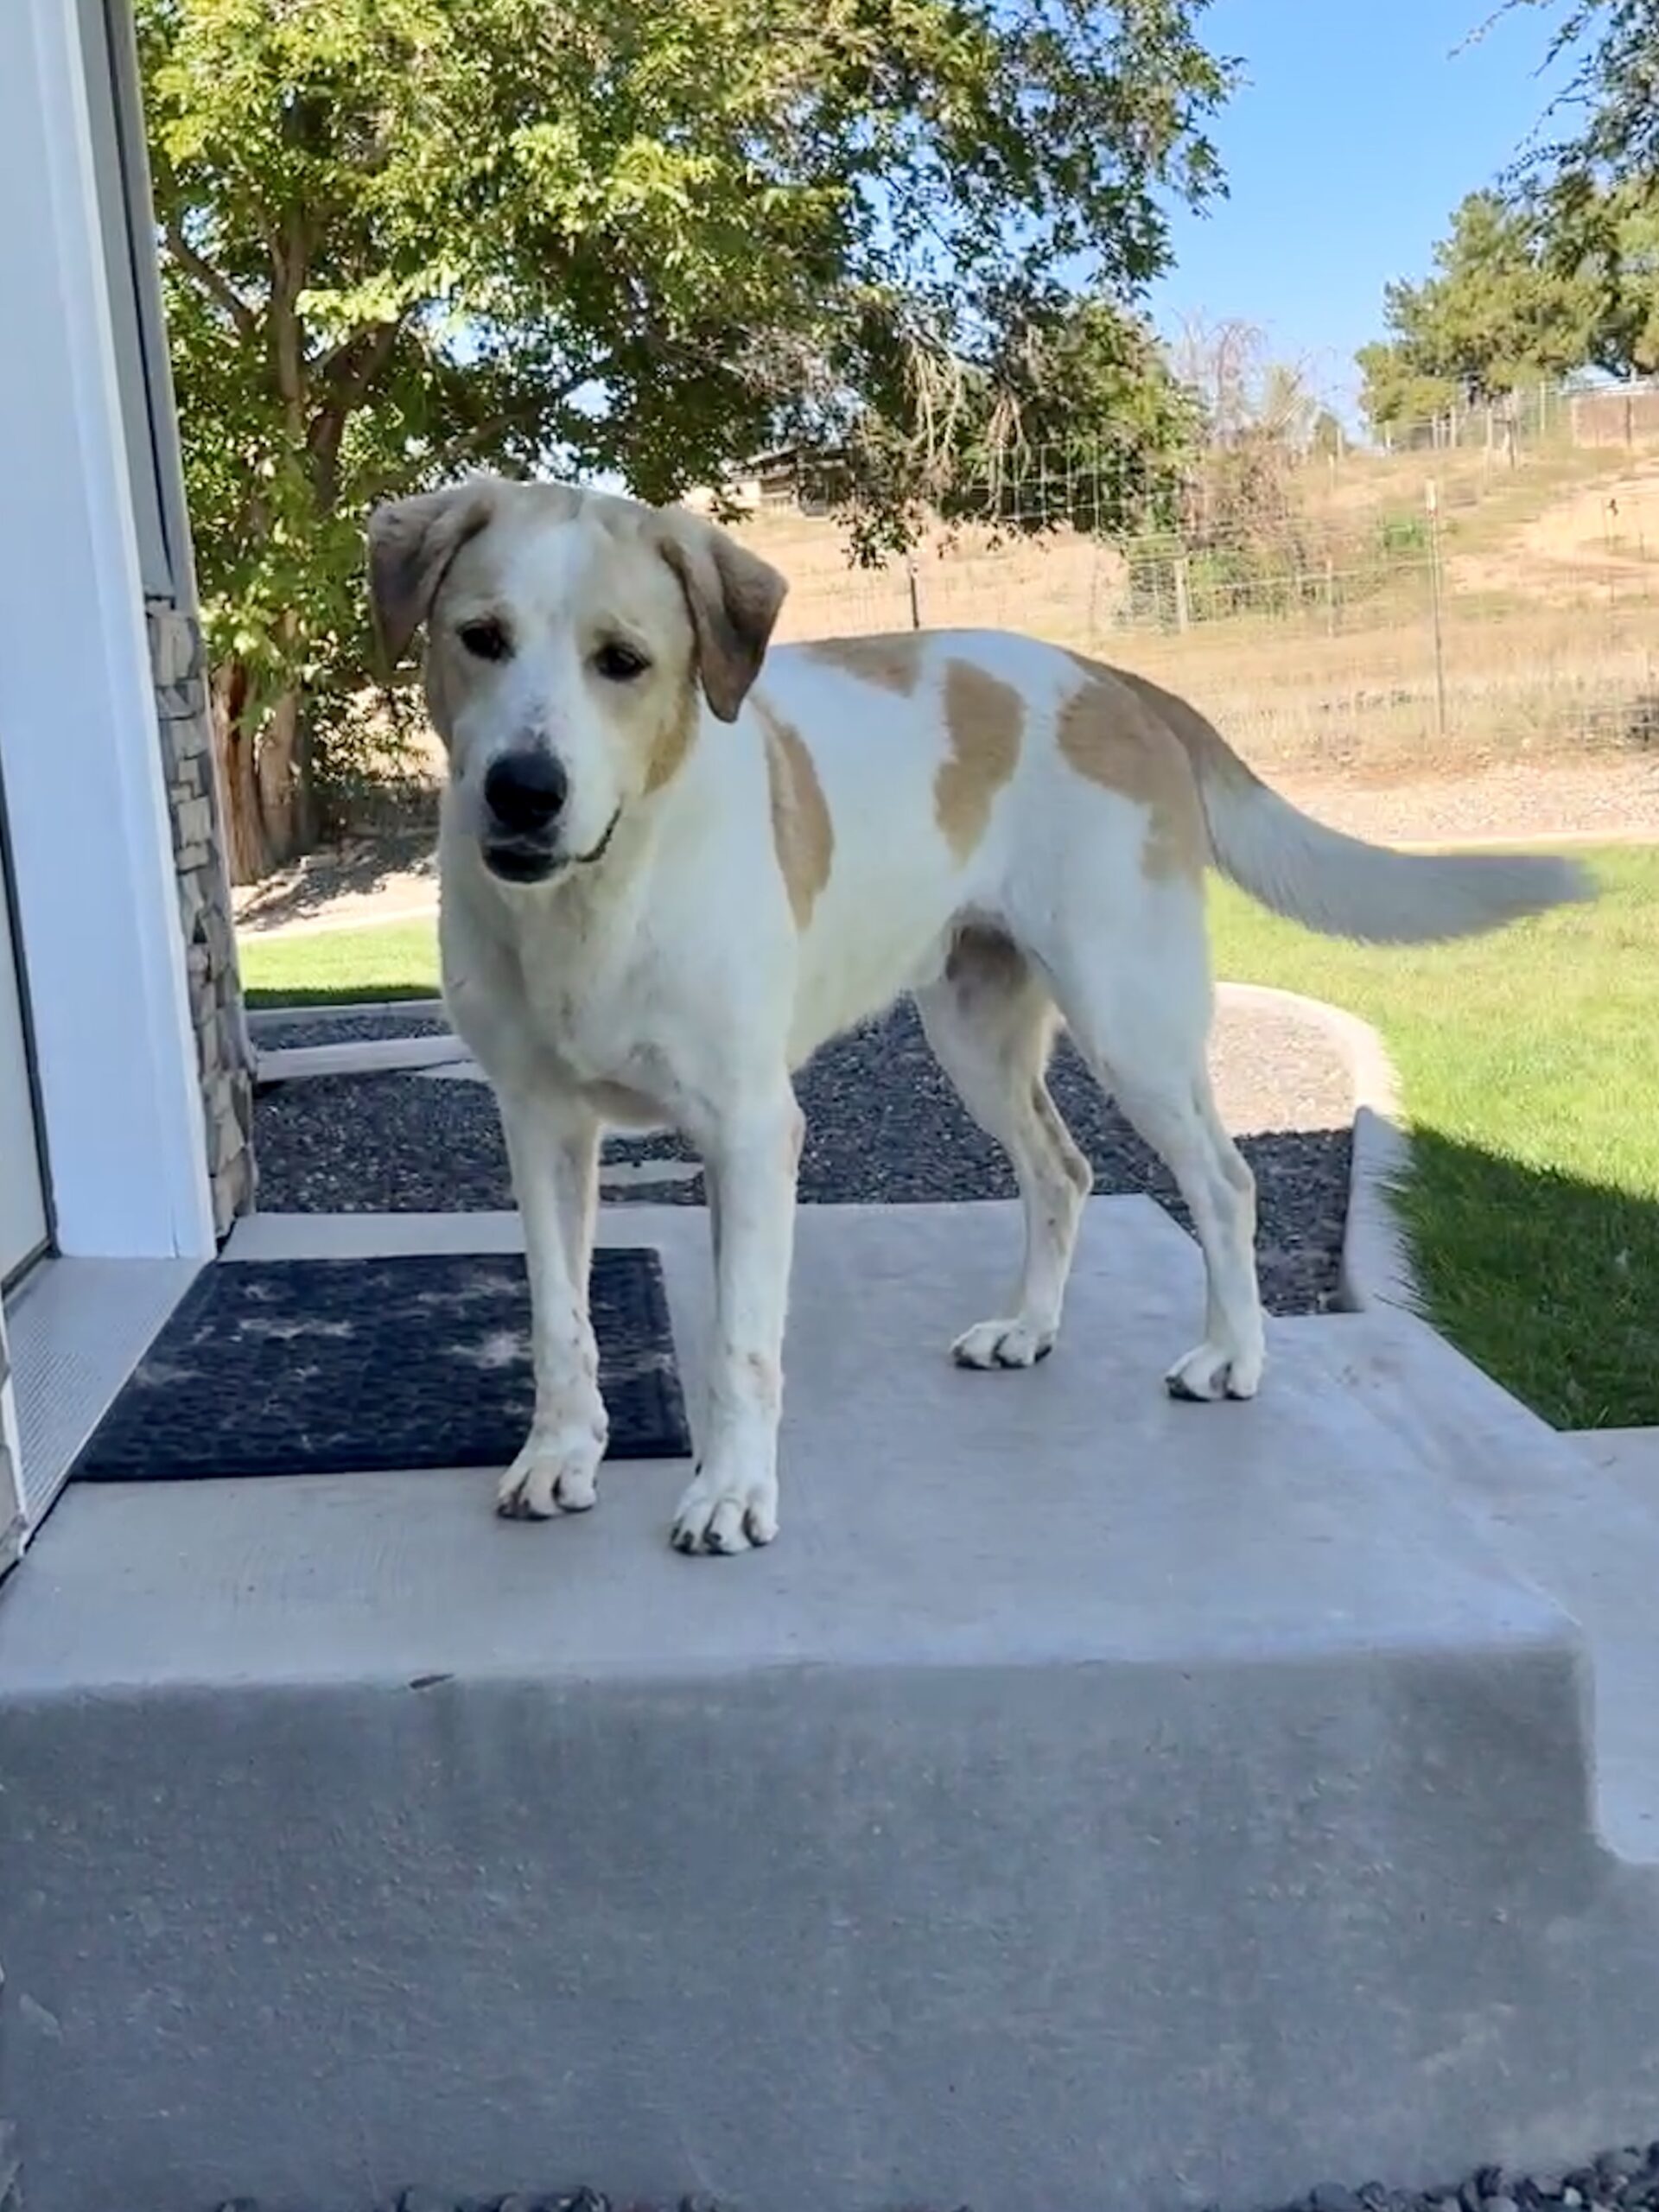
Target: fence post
x=1431 y=501
x=1183 y=602
x=1330 y=597
x=911 y=579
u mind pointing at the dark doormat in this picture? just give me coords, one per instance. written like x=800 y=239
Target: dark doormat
x=322 y=1367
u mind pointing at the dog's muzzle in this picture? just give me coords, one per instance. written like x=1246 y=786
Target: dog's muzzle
x=525 y=859
x=524 y=796
x=519 y=860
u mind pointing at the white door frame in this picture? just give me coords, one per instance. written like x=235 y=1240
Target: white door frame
x=13 y=1509
x=25 y=1207
x=90 y=837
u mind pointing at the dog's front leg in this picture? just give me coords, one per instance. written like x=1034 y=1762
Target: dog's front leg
x=750 y=1164
x=553 y=1149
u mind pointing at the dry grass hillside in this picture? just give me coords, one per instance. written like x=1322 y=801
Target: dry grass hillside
x=1359 y=629
x=1353 y=634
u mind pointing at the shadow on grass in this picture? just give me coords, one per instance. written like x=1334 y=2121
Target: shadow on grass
x=356 y=869
x=1548 y=1283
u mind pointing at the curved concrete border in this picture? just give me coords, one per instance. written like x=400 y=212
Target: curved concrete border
x=1375 y=1267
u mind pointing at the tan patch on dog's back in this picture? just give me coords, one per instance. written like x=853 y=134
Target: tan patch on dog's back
x=1211 y=757
x=1110 y=732
x=893 y=660
x=983 y=717
x=802 y=832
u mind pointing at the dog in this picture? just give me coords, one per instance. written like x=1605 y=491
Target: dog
x=675 y=859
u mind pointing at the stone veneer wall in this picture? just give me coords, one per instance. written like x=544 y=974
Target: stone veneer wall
x=225 y=1055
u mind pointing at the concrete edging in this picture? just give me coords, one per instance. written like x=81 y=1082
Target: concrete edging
x=1376 y=1265
x=356 y=1055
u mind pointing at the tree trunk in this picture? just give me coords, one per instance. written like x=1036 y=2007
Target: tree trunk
x=262 y=761
x=284 y=783
x=239 y=790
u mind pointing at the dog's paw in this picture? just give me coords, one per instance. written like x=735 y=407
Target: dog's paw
x=727 y=1510
x=1213 y=1372
x=553 y=1476
x=1002 y=1344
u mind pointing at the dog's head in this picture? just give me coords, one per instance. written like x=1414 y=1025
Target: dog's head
x=568 y=636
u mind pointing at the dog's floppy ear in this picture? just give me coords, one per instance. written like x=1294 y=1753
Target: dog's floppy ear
x=411 y=544
x=734 y=596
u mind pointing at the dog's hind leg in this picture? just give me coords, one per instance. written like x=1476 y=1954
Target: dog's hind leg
x=990 y=1022
x=1142 y=1023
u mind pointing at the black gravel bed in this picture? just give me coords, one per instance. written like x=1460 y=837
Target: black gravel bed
x=884 y=1127
x=1618 y=2181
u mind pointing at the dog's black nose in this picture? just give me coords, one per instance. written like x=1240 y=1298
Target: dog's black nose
x=527 y=792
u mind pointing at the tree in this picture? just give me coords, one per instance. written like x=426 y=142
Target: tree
x=1608 y=238
x=1061 y=409
x=1260 y=418
x=1395 y=393
x=1501 y=309
x=404 y=236
x=1593 y=185
x=1242 y=390
x=1610 y=96
x=1226 y=367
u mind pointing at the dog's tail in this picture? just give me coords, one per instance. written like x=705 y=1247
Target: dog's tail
x=1342 y=887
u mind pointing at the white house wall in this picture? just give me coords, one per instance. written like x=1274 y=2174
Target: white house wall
x=123 y=900
x=96 y=887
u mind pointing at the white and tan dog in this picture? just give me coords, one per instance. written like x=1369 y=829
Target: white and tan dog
x=673 y=865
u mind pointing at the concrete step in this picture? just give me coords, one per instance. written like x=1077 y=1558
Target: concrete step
x=1628 y=1460
x=1578 y=1524
x=1091 y=1802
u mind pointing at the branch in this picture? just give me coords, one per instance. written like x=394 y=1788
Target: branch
x=220 y=287
x=467 y=443
x=366 y=353
x=520 y=417
x=291 y=251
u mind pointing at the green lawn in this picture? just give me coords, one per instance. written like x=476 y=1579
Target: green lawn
x=390 y=960
x=1530 y=1063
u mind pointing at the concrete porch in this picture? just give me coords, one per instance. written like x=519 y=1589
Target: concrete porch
x=1085 y=1786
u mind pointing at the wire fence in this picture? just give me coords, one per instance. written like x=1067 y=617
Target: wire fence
x=1488 y=588
x=1461 y=597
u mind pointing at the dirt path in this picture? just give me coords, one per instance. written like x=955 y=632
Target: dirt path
x=1613 y=799
x=1599 y=536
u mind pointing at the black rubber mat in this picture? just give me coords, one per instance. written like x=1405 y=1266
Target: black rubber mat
x=312 y=1367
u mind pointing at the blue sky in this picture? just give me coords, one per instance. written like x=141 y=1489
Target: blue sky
x=1356 y=131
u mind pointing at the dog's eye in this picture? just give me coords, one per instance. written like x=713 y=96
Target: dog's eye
x=485 y=640
x=620 y=663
